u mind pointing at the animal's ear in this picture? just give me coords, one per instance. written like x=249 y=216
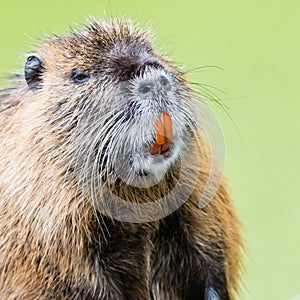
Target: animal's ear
x=34 y=69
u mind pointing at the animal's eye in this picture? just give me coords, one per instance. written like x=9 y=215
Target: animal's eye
x=79 y=76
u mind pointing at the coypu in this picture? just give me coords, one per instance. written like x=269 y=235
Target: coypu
x=100 y=116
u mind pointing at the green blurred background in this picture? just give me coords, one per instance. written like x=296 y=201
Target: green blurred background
x=257 y=44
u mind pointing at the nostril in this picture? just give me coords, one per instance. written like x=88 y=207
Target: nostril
x=145 y=87
x=164 y=82
x=158 y=84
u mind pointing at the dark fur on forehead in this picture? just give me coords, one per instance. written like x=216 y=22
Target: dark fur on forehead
x=98 y=38
x=113 y=48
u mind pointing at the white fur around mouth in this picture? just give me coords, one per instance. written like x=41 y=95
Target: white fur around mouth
x=144 y=170
x=150 y=169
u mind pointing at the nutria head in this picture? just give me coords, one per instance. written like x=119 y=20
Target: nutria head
x=122 y=114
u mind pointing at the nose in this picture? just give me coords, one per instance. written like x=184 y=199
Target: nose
x=159 y=84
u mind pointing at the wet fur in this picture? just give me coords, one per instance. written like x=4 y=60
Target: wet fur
x=55 y=243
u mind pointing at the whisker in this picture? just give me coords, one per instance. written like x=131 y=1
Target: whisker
x=201 y=68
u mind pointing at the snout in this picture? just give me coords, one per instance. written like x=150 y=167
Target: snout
x=156 y=123
x=158 y=84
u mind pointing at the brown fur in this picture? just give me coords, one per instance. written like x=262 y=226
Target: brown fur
x=54 y=244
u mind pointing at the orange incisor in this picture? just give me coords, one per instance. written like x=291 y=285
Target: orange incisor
x=163 y=134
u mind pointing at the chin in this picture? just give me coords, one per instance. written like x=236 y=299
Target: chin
x=149 y=169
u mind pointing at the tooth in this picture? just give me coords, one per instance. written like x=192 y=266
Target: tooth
x=167 y=127
x=160 y=132
x=163 y=134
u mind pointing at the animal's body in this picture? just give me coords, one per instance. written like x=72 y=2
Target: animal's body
x=89 y=101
